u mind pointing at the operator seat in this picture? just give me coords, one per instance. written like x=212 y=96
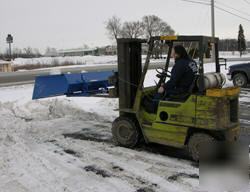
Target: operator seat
x=151 y=105
x=183 y=97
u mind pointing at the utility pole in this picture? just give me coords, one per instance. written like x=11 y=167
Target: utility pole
x=213 y=28
x=213 y=18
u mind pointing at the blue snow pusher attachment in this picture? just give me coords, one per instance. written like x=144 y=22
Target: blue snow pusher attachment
x=79 y=84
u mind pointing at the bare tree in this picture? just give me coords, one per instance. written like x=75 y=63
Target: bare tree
x=132 y=29
x=155 y=26
x=113 y=27
x=31 y=52
x=28 y=51
x=166 y=29
x=17 y=52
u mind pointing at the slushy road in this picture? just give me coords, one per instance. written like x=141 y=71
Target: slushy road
x=245 y=115
x=27 y=77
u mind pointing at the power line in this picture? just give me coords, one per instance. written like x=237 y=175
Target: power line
x=229 y=12
x=217 y=7
x=247 y=1
x=239 y=11
x=197 y=2
x=232 y=8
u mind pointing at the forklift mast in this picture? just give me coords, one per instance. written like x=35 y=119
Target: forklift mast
x=129 y=70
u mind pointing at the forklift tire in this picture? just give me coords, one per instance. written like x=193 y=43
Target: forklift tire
x=126 y=132
x=195 y=142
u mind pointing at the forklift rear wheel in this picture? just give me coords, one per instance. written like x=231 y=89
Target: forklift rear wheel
x=125 y=132
x=198 y=142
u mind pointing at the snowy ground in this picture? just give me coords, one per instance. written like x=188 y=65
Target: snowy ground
x=77 y=60
x=230 y=54
x=91 y=60
x=65 y=144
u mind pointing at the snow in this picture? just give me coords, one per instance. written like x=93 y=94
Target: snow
x=4 y=62
x=65 y=144
x=36 y=135
x=235 y=54
x=93 y=60
x=76 y=60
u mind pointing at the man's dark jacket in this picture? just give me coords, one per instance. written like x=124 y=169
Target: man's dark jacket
x=182 y=77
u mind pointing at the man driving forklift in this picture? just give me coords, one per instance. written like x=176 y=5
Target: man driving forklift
x=209 y=113
x=182 y=74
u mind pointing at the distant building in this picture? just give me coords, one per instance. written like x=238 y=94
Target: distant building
x=78 y=52
x=5 y=66
x=107 y=50
x=51 y=52
x=111 y=50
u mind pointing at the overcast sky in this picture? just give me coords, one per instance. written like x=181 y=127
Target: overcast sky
x=72 y=23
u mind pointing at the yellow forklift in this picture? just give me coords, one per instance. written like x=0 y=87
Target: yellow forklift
x=207 y=113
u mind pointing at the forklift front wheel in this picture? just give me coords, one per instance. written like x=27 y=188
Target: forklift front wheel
x=201 y=145
x=125 y=132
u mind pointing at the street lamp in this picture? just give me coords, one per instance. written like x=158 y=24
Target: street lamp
x=9 y=40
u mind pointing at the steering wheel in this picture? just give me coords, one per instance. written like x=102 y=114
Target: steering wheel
x=162 y=74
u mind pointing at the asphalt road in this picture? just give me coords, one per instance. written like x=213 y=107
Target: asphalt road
x=245 y=116
x=24 y=77
x=27 y=77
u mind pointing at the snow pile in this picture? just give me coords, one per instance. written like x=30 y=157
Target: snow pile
x=76 y=60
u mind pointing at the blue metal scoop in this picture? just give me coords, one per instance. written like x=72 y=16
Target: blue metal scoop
x=79 y=84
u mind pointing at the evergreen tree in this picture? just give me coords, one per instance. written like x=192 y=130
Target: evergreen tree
x=241 y=40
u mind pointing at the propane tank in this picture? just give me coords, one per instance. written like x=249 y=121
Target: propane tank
x=213 y=80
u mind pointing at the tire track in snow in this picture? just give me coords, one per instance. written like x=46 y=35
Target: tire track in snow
x=132 y=166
